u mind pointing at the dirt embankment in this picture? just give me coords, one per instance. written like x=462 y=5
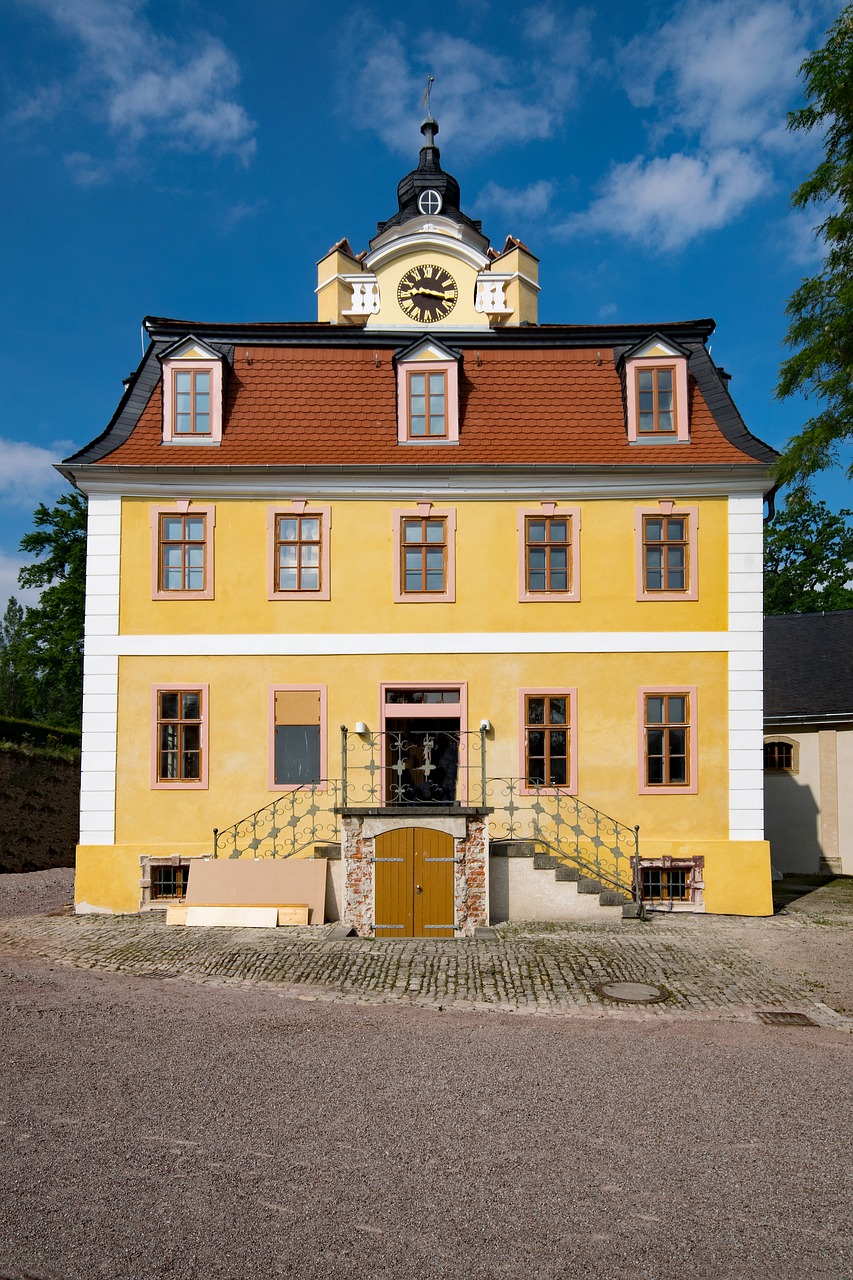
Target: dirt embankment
x=39 y=808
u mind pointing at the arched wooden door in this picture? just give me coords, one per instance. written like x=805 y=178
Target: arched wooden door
x=414 y=884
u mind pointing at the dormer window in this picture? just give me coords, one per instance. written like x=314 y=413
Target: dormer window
x=656 y=393
x=428 y=394
x=192 y=393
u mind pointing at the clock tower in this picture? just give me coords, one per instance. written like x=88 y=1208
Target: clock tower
x=429 y=265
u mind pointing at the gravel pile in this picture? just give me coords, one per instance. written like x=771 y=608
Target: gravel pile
x=35 y=893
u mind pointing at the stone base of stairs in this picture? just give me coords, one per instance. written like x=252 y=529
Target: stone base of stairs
x=526 y=884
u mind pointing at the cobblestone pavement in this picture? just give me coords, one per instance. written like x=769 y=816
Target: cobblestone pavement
x=703 y=963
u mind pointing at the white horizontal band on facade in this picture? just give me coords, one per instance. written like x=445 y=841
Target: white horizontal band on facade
x=348 y=644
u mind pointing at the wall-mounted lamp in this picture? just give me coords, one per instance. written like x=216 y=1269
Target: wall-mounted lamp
x=360 y=727
x=486 y=725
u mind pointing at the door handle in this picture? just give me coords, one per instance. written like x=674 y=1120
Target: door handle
x=418 y=889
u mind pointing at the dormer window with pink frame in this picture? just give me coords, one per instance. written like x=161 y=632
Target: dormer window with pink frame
x=192 y=393
x=428 y=394
x=656 y=393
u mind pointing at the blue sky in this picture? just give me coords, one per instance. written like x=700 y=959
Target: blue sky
x=195 y=160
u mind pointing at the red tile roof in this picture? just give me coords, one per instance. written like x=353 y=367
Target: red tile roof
x=302 y=405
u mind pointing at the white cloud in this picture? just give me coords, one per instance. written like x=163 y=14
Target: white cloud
x=145 y=85
x=27 y=474
x=481 y=99
x=520 y=202
x=724 y=70
x=668 y=201
x=798 y=237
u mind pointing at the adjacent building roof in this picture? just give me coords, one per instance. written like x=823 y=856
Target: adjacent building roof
x=808 y=667
x=320 y=395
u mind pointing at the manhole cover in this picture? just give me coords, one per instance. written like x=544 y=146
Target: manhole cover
x=785 y=1018
x=632 y=992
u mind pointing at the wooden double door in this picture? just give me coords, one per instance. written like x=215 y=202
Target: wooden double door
x=414 y=884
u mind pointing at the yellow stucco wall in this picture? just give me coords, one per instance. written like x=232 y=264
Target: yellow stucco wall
x=362 y=562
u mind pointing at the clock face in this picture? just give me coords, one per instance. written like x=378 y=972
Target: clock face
x=427 y=293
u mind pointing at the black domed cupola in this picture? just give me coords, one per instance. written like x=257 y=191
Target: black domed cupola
x=428 y=191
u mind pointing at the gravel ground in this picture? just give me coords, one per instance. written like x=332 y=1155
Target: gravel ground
x=36 y=893
x=154 y=1128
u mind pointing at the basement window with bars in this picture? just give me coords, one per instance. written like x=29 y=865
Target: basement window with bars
x=164 y=880
x=669 y=884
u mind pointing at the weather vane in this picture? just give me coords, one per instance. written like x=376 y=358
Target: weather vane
x=427 y=92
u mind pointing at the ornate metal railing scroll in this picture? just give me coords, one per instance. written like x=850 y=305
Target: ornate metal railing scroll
x=413 y=766
x=296 y=820
x=562 y=825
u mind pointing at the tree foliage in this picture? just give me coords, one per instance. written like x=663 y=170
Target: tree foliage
x=16 y=668
x=808 y=558
x=41 y=649
x=821 y=309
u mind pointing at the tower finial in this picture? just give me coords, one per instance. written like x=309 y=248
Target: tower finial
x=427 y=92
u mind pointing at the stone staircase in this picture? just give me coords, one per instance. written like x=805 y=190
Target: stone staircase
x=583 y=897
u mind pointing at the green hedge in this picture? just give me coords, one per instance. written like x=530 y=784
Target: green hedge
x=37 y=735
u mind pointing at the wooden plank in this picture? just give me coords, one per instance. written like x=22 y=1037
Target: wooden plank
x=293 y=915
x=233 y=917
x=176 y=913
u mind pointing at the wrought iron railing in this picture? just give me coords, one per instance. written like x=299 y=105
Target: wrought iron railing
x=578 y=835
x=296 y=820
x=413 y=766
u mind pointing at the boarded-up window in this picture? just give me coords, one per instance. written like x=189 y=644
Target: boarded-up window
x=297 y=736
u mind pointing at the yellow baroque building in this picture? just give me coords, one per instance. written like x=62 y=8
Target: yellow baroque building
x=467 y=606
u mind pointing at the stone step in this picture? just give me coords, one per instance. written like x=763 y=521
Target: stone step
x=564 y=872
x=612 y=898
x=546 y=862
x=588 y=885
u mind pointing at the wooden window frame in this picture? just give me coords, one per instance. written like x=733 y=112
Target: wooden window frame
x=571 y=785
x=691 y=786
x=425 y=511
x=180 y=784
x=302 y=510
x=678 y=365
x=178 y=364
x=427 y=375
x=450 y=370
x=667 y=509
x=550 y=511
x=390 y=711
x=185 y=509
x=777 y=740
x=322 y=784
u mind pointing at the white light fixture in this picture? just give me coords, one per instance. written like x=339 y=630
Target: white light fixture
x=486 y=725
x=360 y=727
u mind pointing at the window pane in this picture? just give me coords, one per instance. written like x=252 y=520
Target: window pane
x=558 y=742
x=535 y=710
x=172 y=529
x=435 y=531
x=191 y=709
x=202 y=405
x=536 y=531
x=169 y=706
x=537 y=557
x=557 y=711
x=675 y=531
x=538 y=580
x=311 y=555
x=310 y=579
x=559 y=580
x=654 y=772
x=677 y=710
x=192 y=737
x=195 y=557
x=173 y=557
x=644 y=380
x=287 y=530
x=435 y=558
x=412 y=530
x=664 y=380
x=435 y=580
x=202 y=384
x=647 y=422
x=654 y=710
x=191 y=761
x=195 y=580
x=417 y=426
x=287 y=556
x=536 y=742
x=183 y=383
x=654 y=741
x=297 y=754
x=647 y=402
x=654 y=530
x=413 y=560
x=678 y=742
x=418 y=406
x=195 y=528
x=558 y=773
x=311 y=529
x=677 y=770
x=436 y=425
x=436 y=384
x=287 y=580
x=202 y=424
x=559 y=558
x=559 y=531
x=417 y=384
